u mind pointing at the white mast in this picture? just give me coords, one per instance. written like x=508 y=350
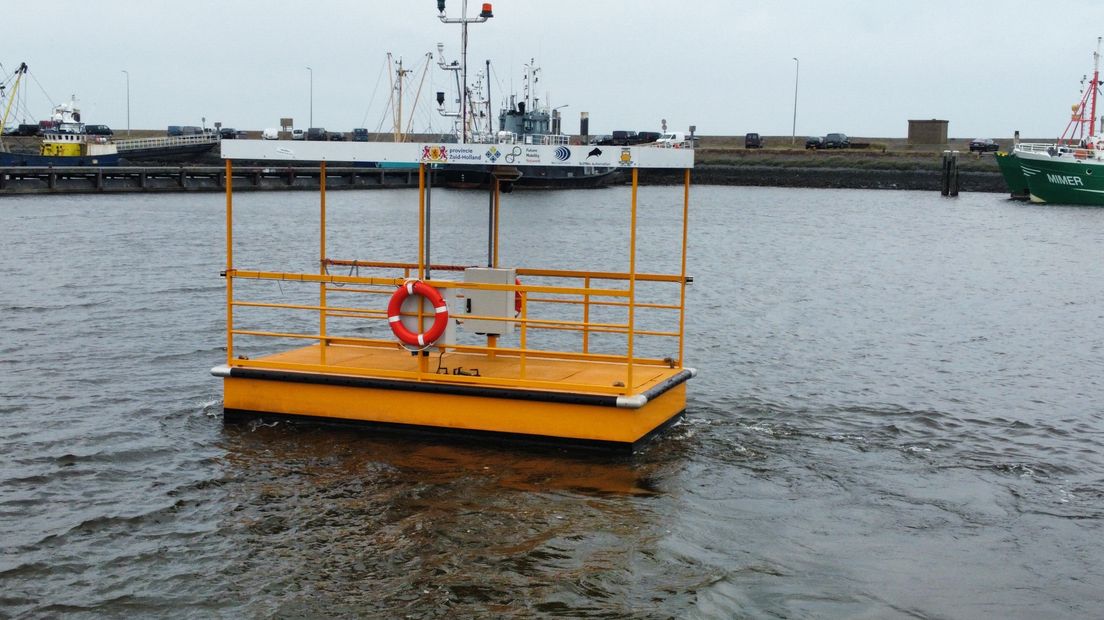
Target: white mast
x=463 y=20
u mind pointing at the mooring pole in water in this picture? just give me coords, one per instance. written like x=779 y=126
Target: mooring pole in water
x=949 y=181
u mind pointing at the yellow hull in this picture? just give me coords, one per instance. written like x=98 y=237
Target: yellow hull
x=61 y=149
x=589 y=419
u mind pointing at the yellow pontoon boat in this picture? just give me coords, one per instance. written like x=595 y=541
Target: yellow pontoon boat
x=461 y=355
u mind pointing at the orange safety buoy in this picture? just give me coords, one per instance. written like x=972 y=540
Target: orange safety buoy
x=394 y=308
x=517 y=298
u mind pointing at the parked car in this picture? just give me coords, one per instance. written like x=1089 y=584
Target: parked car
x=298 y=134
x=98 y=130
x=270 y=134
x=316 y=133
x=814 y=142
x=360 y=134
x=174 y=130
x=228 y=133
x=645 y=137
x=624 y=138
x=191 y=130
x=984 y=144
x=336 y=136
x=753 y=141
x=27 y=130
x=836 y=141
x=602 y=140
x=673 y=138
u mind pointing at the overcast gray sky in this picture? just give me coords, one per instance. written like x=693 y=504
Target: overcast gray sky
x=866 y=66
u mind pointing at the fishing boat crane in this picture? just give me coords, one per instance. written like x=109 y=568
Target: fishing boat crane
x=399 y=133
x=18 y=77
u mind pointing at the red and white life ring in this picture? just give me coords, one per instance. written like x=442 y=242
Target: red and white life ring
x=394 y=308
x=517 y=298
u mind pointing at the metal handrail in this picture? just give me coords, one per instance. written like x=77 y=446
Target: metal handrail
x=140 y=144
x=586 y=298
x=289 y=276
x=1059 y=150
x=1036 y=147
x=521 y=271
x=509 y=137
x=376 y=283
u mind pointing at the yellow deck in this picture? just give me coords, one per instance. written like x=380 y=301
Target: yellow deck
x=501 y=366
x=357 y=383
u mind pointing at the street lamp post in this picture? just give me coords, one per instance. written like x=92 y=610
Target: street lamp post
x=128 y=100
x=310 y=122
x=797 y=73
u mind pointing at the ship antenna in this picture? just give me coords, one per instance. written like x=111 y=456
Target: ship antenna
x=1094 y=85
x=464 y=20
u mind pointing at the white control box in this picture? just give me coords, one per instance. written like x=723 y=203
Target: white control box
x=488 y=303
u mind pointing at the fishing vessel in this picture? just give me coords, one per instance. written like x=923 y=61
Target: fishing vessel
x=528 y=121
x=1009 y=166
x=496 y=350
x=523 y=123
x=66 y=141
x=1059 y=174
x=1071 y=170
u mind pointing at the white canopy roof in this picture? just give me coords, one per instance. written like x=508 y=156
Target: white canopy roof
x=520 y=155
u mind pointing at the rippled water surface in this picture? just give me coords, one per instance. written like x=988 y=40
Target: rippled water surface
x=898 y=415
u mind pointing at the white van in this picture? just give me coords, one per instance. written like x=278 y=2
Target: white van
x=672 y=137
x=270 y=134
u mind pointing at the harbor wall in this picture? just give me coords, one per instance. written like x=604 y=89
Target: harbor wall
x=721 y=160
x=836 y=178
x=155 y=179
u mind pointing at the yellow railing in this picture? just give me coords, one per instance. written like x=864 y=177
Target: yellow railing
x=595 y=294
x=584 y=296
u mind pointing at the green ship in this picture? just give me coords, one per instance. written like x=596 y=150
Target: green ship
x=1062 y=174
x=1009 y=166
x=1070 y=171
